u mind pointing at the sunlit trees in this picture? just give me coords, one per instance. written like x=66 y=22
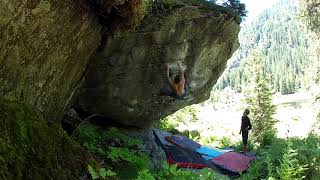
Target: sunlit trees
x=311 y=13
x=311 y=16
x=284 y=45
x=259 y=99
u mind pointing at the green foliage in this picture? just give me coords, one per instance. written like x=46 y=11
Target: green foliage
x=225 y=142
x=102 y=173
x=206 y=140
x=137 y=159
x=234 y=7
x=87 y=136
x=290 y=167
x=147 y=6
x=145 y=174
x=185 y=116
x=92 y=172
x=266 y=137
x=259 y=98
x=308 y=152
x=169 y=4
x=239 y=146
x=127 y=140
x=166 y=124
x=236 y=10
x=163 y=5
x=93 y=138
x=268 y=160
x=240 y=8
x=173 y=173
x=194 y=135
x=127 y=154
x=287 y=159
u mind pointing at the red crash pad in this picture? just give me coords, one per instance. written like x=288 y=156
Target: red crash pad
x=233 y=161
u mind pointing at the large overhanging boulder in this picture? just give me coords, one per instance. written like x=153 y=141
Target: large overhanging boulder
x=124 y=78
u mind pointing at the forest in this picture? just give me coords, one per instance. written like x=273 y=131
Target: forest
x=286 y=48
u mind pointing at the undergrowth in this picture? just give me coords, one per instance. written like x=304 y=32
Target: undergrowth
x=119 y=156
x=115 y=151
x=287 y=159
x=164 y=7
x=284 y=159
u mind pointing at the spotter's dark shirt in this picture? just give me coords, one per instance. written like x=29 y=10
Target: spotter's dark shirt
x=245 y=123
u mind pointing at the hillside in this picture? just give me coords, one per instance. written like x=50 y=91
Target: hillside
x=284 y=45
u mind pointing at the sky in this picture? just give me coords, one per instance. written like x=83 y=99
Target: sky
x=255 y=7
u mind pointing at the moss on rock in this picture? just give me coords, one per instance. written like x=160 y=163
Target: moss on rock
x=31 y=149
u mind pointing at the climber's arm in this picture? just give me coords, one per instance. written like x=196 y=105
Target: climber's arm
x=168 y=74
x=182 y=80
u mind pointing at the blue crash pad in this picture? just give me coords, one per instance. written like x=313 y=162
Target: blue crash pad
x=208 y=153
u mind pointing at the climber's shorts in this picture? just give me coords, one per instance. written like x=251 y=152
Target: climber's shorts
x=166 y=90
x=245 y=137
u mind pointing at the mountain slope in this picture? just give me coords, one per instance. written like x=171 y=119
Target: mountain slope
x=283 y=43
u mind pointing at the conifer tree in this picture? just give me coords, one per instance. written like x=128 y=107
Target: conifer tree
x=240 y=8
x=259 y=98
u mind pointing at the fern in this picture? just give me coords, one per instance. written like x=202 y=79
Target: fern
x=127 y=140
x=290 y=167
x=92 y=172
x=102 y=173
x=138 y=159
x=145 y=174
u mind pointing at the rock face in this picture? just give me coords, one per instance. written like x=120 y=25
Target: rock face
x=124 y=78
x=156 y=154
x=30 y=149
x=45 y=47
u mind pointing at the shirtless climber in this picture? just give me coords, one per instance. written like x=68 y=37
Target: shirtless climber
x=177 y=86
